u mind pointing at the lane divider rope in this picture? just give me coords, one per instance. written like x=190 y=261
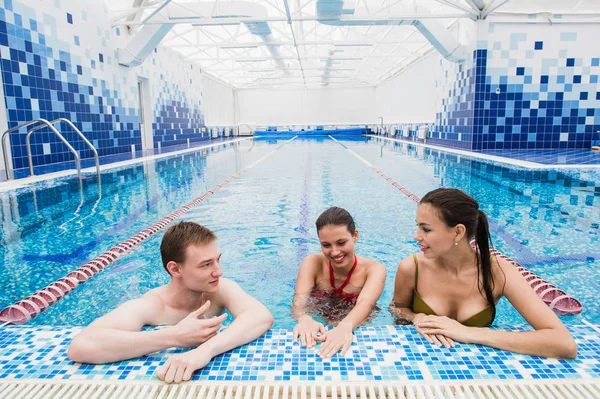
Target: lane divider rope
x=557 y=299
x=26 y=309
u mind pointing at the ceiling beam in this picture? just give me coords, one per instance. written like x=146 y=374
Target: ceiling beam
x=477 y=5
x=493 y=6
x=222 y=54
x=289 y=21
x=322 y=58
x=349 y=19
x=337 y=43
x=472 y=14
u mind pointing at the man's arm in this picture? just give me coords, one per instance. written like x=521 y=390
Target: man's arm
x=117 y=336
x=252 y=319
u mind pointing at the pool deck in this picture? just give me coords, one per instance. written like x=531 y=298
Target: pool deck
x=88 y=169
x=530 y=159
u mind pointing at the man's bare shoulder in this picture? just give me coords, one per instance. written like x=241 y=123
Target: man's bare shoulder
x=155 y=297
x=229 y=292
x=227 y=287
x=135 y=313
x=232 y=297
x=152 y=302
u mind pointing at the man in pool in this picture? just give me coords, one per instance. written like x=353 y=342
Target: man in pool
x=192 y=305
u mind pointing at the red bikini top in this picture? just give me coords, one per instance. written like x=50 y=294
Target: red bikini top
x=339 y=291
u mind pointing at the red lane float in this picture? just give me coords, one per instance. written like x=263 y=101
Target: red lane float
x=561 y=303
x=26 y=309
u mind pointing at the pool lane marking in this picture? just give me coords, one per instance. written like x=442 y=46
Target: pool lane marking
x=415 y=198
x=26 y=309
x=304 y=226
x=550 y=294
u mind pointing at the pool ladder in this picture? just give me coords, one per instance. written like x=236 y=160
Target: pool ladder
x=42 y=123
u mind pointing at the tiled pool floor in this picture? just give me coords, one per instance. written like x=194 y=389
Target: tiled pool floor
x=380 y=353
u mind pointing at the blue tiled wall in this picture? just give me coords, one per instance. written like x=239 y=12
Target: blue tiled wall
x=176 y=122
x=548 y=81
x=43 y=79
x=58 y=59
x=536 y=88
x=455 y=122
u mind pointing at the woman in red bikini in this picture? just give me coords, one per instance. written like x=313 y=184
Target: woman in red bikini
x=340 y=275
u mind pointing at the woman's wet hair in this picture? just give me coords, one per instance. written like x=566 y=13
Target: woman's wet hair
x=455 y=207
x=335 y=216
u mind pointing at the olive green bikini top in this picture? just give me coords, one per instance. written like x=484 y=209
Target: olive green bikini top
x=481 y=319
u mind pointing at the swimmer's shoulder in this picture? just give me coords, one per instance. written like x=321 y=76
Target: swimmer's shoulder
x=372 y=266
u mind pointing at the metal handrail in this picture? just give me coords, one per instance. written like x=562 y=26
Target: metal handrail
x=65 y=142
x=2 y=141
x=65 y=120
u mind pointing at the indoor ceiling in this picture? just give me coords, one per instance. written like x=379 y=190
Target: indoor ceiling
x=316 y=43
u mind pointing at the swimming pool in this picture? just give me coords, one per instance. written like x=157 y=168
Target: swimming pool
x=545 y=219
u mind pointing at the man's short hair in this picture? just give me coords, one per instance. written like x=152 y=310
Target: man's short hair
x=179 y=237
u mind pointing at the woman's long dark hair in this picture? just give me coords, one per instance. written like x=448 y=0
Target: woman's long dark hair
x=456 y=207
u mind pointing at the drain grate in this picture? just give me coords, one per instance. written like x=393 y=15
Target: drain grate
x=559 y=389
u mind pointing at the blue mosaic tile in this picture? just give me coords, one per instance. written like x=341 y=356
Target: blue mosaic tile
x=52 y=67
x=378 y=353
x=508 y=96
x=177 y=124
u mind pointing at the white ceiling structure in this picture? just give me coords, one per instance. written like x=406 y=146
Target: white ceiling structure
x=317 y=43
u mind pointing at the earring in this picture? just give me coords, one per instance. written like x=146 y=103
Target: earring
x=455 y=243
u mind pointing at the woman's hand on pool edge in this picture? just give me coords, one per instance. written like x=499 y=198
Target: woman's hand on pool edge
x=308 y=329
x=447 y=328
x=437 y=340
x=337 y=339
x=181 y=367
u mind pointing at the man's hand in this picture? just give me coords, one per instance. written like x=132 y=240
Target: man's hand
x=181 y=367
x=194 y=330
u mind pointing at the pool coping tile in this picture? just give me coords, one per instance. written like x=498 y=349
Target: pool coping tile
x=379 y=353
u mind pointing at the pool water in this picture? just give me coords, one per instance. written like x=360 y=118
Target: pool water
x=547 y=220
